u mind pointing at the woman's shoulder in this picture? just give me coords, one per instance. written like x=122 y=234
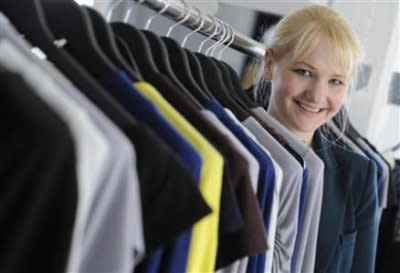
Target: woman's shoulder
x=349 y=159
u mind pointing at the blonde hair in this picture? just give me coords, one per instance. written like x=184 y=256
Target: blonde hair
x=301 y=31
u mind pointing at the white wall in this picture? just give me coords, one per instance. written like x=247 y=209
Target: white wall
x=377 y=25
x=280 y=7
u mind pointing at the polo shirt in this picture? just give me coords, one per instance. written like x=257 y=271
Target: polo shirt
x=191 y=112
x=287 y=224
x=203 y=245
x=118 y=173
x=305 y=258
x=266 y=169
x=121 y=88
x=39 y=193
x=92 y=148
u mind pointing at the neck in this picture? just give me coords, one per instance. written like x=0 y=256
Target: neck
x=305 y=137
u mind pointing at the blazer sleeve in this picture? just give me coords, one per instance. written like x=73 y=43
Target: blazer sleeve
x=366 y=216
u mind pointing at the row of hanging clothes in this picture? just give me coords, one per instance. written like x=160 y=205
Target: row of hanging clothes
x=126 y=152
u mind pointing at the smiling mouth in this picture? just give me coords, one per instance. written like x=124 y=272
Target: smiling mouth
x=308 y=108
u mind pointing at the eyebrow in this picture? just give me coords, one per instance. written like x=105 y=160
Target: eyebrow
x=312 y=67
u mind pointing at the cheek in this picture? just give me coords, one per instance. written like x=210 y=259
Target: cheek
x=339 y=99
x=284 y=87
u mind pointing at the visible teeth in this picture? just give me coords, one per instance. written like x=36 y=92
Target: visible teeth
x=310 y=109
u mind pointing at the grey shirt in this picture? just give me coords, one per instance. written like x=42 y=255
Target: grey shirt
x=305 y=259
x=92 y=250
x=289 y=199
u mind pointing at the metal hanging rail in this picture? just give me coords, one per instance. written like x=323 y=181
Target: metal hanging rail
x=175 y=12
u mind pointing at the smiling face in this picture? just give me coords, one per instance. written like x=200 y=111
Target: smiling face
x=308 y=91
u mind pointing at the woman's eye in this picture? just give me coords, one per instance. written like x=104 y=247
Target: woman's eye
x=335 y=82
x=303 y=72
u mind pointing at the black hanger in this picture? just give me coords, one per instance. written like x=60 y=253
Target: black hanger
x=181 y=66
x=237 y=90
x=67 y=20
x=127 y=54
x=138 y=46
x=197 y=73
x=105 y=38
x=161 y=56
x=228 y=80
x=217 y=87
x=142 y=51
x=29 y=21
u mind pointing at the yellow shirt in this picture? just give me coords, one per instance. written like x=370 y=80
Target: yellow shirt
x=204 y=241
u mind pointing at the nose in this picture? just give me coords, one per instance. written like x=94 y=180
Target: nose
x=316 y=91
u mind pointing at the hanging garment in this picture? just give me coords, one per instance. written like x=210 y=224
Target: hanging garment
x=265 y=195
x=120 y=87
x=119 y=182
x=92 y=147
x=266 y=168
x=39 y=181
x=308 y=237
x=383 y=169
x=269 y=201
x=203 y=245
x=240 y=266
x=287 y=221
x=192 y=113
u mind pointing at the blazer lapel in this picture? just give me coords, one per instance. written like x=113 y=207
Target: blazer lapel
x=333 y=204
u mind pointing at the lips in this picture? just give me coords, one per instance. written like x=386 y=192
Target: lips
x=308 y=107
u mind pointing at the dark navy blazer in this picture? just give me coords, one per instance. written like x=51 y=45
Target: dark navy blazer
x=349 y=218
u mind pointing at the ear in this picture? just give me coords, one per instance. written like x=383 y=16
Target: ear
x=268 y=65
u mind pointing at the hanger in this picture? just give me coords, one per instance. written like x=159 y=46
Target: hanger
x=232 y=79
x=192 y=77
x=106 y=40
x=195 y=66
x=30 y=21
x=138 y=46
x=237 y=90
x=158 y=51
x=76 y=28
x=127 y=54
x=215 y=85
x=181 y=66
x=224 y=73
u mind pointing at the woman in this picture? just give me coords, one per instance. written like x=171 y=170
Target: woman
x=310 y=65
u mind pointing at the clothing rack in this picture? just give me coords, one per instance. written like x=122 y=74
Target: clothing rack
x=175 y=12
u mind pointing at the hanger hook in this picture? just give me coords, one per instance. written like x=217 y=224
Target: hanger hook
x=156 y=15
x=185 y=17
x=196 y=30
x=214 y=24
x=110 y=11
x=232 y=32
x=217 y=32
x=129 y=11
x=211 y=50
x=225 y=38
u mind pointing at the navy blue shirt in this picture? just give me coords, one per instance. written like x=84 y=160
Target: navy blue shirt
x=120 y=86
x=122 y=89
x=266 y=179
